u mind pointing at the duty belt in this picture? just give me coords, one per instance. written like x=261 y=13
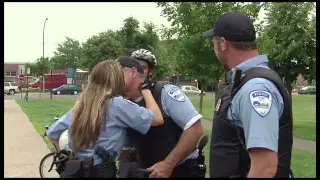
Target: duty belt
x=77 y=168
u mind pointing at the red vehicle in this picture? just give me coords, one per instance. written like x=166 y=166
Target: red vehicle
x=57 y=81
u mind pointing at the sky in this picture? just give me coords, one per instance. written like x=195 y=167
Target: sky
x=23 y=24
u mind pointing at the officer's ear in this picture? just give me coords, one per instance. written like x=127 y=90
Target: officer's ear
x=134 y=72
x=150 y=72
x=223 y=44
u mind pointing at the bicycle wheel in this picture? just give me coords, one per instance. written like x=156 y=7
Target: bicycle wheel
x=46 y=162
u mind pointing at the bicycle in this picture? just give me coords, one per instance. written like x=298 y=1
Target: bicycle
x=59 y=157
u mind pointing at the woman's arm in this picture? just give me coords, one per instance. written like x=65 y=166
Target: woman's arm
x=55 y=142
x=153 y=106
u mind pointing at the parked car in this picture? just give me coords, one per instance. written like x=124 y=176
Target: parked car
x=191 y=90
x=307 y=90
x=67 y=89
x=295 y=91
x=11 y=88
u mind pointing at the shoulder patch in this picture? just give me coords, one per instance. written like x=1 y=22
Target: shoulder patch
x=130 y=102
x=176 y=94
x=261 y=101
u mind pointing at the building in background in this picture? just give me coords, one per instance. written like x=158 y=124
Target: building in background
x=12 y=70
x=80 y=77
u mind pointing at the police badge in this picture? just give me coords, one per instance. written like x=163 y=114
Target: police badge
x=176 y=94
x=261 y=102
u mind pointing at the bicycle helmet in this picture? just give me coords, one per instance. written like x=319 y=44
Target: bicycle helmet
x=63 y=140
x=145 y=55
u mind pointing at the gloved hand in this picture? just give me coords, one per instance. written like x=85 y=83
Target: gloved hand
x=147 y=84
x=151 y=83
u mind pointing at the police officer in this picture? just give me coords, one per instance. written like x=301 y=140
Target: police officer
x=97 y=123
x=252 y=126
x=168 y=150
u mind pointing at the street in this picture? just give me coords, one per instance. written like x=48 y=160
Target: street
x=37 y=95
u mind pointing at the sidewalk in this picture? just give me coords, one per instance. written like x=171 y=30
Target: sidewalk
x=23 y=146
x=297 y=143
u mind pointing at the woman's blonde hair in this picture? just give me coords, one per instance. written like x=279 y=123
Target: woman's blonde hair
x=89 y=113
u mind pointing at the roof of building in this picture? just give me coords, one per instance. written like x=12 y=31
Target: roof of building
x=19 y=63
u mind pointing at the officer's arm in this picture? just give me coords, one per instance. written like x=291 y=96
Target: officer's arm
x=153 y=106
x=55 y=142
x=186 y=144
x=56 y=129
x=178 y=106
x=131 y=115
x=261 y=125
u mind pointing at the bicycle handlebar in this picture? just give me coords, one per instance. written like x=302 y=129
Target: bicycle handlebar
x=61 y=160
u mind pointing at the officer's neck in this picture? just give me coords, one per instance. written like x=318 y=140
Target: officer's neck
x=238 y=57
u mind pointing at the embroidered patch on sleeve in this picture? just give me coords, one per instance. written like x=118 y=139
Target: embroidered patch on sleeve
x=261 y=102
x=176 y=94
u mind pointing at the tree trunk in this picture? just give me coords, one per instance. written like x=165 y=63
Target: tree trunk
x=213 y=88
x=74 y=72
x=43 y=83
x=288 y=84
x=201 y=96
x=216 y=86
x=178 y=79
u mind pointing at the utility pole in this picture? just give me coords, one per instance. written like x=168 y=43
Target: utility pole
x=43 y=78
x=21 y=84
x=28 y=71
x=51 y=82
x=74 y=69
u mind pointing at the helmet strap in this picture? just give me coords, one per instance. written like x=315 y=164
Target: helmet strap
x=151 y=77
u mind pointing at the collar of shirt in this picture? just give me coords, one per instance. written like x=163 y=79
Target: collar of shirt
x=138 y=99
x=260 y=60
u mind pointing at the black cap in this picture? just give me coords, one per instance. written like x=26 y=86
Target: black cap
x=130 y=62
x=233 y=26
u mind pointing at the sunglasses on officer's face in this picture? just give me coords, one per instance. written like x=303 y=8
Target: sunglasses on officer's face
x=144 y=68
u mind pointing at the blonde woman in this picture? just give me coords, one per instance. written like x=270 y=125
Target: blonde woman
x=100 y=118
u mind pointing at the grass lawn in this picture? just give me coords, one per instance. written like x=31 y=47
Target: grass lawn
x=42 y=111
x=303 y=108
x=303 y=163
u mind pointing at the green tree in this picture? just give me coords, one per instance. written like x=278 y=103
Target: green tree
x=287 y=40
x=165 y=58
x=310 y=73
x=193 y=55
x=34 y=70
x=132 y=37
x=100 y=47
x=127 y=35
x=147 y=38
x=112 y=44
x=43 y=65
x=67 y=54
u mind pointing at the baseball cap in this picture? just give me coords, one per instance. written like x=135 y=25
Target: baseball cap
x=130 y=62
x=233 y=26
